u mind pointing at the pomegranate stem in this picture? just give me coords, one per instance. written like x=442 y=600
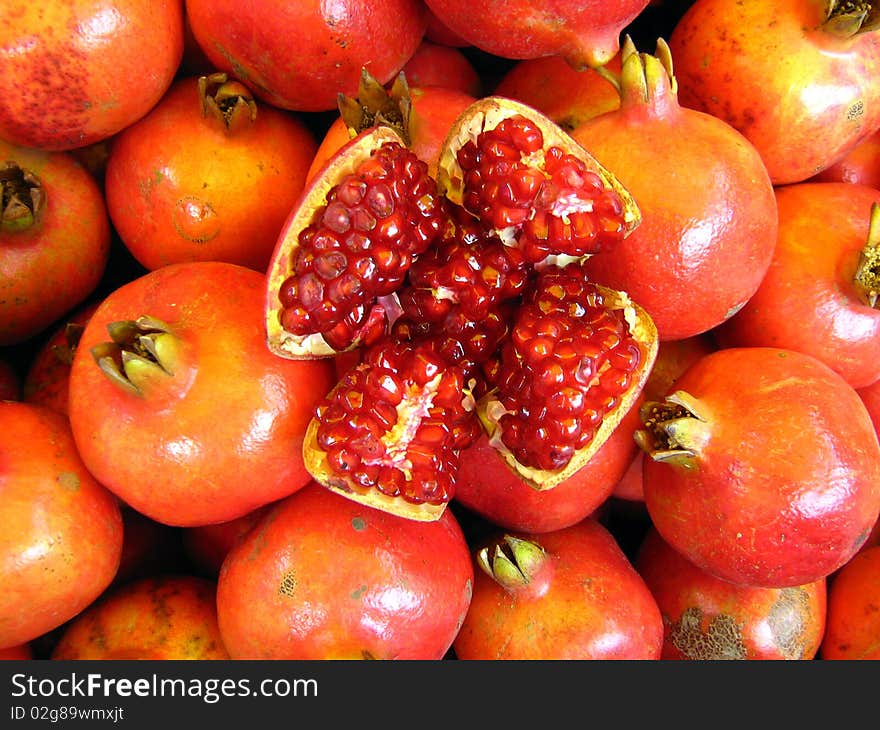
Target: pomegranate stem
x=867 y=277
x=21 y=197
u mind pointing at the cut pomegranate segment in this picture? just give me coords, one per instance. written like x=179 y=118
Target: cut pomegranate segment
x=577 y=358
x=389 y=433
x=347 y=245
x=530 y=182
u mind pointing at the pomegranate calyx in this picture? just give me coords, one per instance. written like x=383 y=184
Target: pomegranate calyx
x=138 y=351
x=847 y=18
x=226 y=100
x=867 y=276
x=72 y=333
x=675 y=429
x=647 y=79
x=376 y=105
x=22 y=197
x=512 y=562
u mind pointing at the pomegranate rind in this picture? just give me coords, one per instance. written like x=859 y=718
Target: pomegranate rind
x=344 y=162
x=490 y=409
x=317 y=465
x=485 y=114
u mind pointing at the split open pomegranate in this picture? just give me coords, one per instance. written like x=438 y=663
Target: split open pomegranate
x=468 y=304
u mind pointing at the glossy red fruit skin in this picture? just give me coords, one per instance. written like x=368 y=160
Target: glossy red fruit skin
x=104 y=66
x=589 y=604
x=62 y=531
x=853 y=626
x=801 y=95
x=387 y=587
x=706 y=618
x=708 y=212
x=232 y=414
x=180 y=186
x=334 y=42
x=758 y=506
x=488 y=487
x=807 y=301
x=584 y=32
x=56 y=263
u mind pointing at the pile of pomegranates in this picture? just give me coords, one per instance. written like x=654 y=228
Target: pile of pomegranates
x=453 y=330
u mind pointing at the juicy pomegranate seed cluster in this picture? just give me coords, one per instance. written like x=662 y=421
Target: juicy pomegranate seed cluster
x=396 y=422
x=361 y=245
x=552 y=201
x=568 y=360
x=458 y=294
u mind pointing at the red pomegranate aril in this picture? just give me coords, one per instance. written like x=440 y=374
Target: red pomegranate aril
x=393 y=427
x=361 y=244
x=550 y=364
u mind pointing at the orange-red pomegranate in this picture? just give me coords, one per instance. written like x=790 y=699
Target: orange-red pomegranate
x=333 y=42
x=77 y=72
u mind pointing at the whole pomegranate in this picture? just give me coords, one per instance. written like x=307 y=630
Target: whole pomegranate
x=853 y=625
x=176 y=403
x=566 y=594
x=796 y=77
x=161 y=617
x=820 y=294
x=584 y=32
x=61 y=540
x=322 y=577
x=706 y=618
x=334 y=41
x=708 y=211
x=54 y=239
x=77 y=72
x=763 y=467
x=860 y=165
x=219 y=188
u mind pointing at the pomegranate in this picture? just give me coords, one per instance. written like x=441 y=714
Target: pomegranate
x=853 y=624
x=585 y=33
x=706 y=618
x=529 y=182
x=48 y=375
x=334 y=41
x=75 y=73
x=19 y=652
x=796 y=77
x=206 y=546
x=820 y=294
x=347 y=245
x=162 y=617
x=219 y=188
x=730 y=487
x=861 y=165
x=575 y=362
x=566 y=594
x=62 y=531
x=385 y=587
x=173 y=367
x=708 y=211
x=389 y=433
x=54 y=239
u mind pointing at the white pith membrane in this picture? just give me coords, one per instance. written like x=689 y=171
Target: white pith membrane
x=490 y=409
x=413 y=408
x=280 y=341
